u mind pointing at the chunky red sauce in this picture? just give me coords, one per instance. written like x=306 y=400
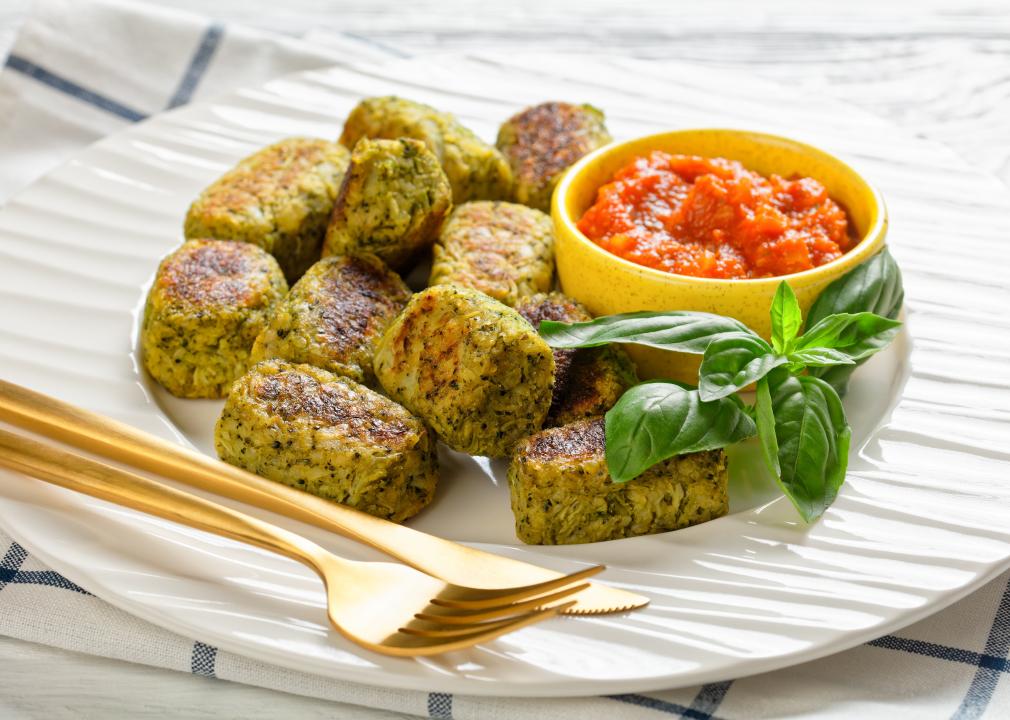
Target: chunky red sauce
x=711 y=217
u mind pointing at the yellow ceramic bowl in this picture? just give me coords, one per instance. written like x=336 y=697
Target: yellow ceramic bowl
x=607 y=284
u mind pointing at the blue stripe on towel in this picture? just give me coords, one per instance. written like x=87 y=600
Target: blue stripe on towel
x=941 y=652
x=997 y=647
x=12 y=561
x=198 y=65
x=703 y=707
x=12 y=574
x=203 y=659
x=440 y=706
x=36 y=72
x=663 y=706
x=709 y=698
x=47 y=578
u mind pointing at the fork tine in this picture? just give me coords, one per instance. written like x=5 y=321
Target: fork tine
x=454 y=616
x=474 y=599
x=410 y=645
x=457 y=631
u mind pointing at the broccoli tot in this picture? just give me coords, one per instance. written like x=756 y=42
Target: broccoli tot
x=562 y=493
x=542 y=141
x=475 y=170
x=334 y=316
x=209 y=301
x=471 y=367
x=279 y=198
x=328 y=435
x=503 y=249
x=392 y=202
x=588 y=381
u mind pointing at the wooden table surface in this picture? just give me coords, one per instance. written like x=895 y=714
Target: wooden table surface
x=938 y=67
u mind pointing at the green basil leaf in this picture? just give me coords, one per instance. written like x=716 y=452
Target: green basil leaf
x=818 y=357
x=813 y=438
x=786 y=318
x=656 y=420
x=733 y=362
x=837 y=376
x=687 y=332
x=765 y=417
x=858 y=335
x=875 y=286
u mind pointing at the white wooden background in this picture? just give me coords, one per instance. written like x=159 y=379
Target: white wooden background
x=941 y=68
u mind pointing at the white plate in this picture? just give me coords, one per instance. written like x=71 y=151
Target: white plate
x=923 y=519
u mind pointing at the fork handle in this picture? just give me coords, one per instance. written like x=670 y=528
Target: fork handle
x=101 y=435
x=84 y=475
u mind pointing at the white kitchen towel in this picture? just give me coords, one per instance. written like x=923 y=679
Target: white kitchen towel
x=951 y=665
x=79 y=71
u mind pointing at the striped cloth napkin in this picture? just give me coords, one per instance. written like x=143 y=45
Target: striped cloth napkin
x=79 y=71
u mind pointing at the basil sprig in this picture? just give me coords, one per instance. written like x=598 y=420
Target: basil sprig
x=798 y=414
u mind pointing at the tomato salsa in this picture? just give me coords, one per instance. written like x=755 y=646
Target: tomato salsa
x=711 y=217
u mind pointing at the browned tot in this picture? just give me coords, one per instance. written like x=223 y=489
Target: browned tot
x=279 y=198
x=334 y=316
x=328 y=435
x=562 y=492
x=475 y=170
x=392 y=203
x=542 y=141
x=503 y=249
x=587 y=381
x=208 y=302
x=470 y=366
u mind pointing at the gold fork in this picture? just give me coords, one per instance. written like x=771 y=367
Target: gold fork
x=385 y=607
x=444 y=559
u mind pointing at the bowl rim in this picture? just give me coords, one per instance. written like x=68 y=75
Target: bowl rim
x=859 y=252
